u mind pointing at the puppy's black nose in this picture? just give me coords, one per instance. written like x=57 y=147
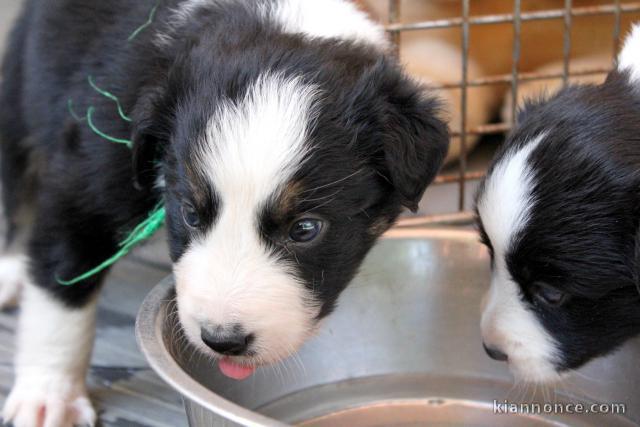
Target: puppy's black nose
x=233 y=344
x=495 y=354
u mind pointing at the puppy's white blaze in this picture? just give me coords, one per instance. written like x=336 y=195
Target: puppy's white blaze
x=327 y=19
x=506 y=321
x=254 y=146
x=252 y=149
x=629 y=58
x=504 y=206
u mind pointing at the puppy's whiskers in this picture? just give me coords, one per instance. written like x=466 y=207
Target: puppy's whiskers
x=315 y=208
x=313 y=190
x=317 y=199
x=577 y=373
x=292 y=253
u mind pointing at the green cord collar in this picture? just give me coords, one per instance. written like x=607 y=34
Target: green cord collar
x=142 y=232
x=155 y=220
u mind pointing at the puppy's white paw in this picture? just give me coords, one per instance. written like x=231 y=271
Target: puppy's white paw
x=13 y=276
x=49 y=403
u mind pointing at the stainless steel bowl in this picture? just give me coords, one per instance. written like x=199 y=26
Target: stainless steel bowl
x=402 y=349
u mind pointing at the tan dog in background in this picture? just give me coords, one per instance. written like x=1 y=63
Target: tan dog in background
x=435 y=56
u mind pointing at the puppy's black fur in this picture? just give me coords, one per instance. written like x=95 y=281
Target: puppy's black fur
x=90 y=191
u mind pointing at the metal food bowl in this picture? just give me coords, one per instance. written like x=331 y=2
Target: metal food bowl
x=402 y=349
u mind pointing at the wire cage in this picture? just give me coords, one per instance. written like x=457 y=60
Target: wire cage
x=566 y=13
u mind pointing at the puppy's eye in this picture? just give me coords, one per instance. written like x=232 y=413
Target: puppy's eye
x=190 y=215
x=305 y=230
x=548 y=295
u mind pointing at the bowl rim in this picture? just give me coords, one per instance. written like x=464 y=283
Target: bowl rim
x=151 y=343
x=148 y=330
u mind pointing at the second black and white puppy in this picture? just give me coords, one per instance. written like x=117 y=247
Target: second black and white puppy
x=560 y=213
x=281 y=135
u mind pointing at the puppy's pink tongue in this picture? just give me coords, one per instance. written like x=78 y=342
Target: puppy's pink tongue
x=235 y=371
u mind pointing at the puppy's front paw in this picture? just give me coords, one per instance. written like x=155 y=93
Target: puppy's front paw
x=49 y=403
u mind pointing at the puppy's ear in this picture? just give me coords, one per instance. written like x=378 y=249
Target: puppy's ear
x=532 y=104
x=148 y=134
x=412 y=138
x=528 y=106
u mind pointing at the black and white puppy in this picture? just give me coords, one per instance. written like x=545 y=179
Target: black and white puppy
x=282 y=136
x=560 y=213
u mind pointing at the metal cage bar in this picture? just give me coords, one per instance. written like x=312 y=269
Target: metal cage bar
x=463 y=104
x=465 y=22
x=566 y=43
x=617 y=13
x=394 y=16
x=507 y=18
x=515 y=60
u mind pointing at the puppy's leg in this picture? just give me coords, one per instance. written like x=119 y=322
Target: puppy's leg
x=17 y=217
x=13 y=263
x=53 y=351
x=57 y=323
x=12 y=278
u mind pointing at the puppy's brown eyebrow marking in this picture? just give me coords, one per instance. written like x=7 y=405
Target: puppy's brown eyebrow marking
x=288 y=198
x=199 y=187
